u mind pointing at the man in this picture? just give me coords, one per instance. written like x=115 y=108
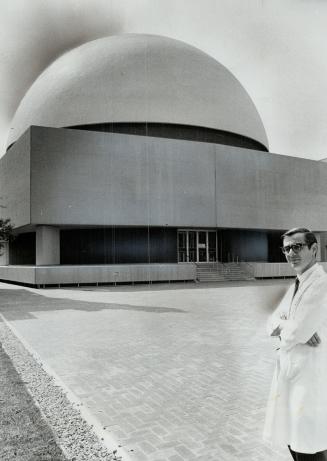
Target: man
x=297 y=406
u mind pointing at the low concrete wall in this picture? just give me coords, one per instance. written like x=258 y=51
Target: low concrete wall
x=128 y=273
x=270 y=270
x=19 y=274
x=58 y=275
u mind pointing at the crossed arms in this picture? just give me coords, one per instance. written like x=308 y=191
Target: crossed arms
x=311 y=317
x=314 y=341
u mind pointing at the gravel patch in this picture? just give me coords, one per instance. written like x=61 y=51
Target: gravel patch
x=68 y=429
x=25 y=435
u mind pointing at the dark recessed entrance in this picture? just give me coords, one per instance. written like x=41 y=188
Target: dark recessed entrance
x=198 y=246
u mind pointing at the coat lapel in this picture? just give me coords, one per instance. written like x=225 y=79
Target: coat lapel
x=303 y=287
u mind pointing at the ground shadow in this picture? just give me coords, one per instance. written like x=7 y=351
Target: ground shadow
x=20 y=305
x=25 y=435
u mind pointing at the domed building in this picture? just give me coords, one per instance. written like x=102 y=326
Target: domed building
x=142 y=79
x=140 y=158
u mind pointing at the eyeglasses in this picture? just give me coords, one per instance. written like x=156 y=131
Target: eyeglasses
x=296 y=248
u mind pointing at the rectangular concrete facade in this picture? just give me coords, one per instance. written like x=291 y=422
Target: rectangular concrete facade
x=269 y=191
x=69 y=177
x=15 y=182
x=85 y=178
x=94 y=207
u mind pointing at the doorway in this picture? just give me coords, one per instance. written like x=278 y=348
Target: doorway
x=198 y=246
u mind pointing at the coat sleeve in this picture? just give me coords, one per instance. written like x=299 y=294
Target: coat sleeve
x=311 y=316
x=275 y=321
x=276 y=318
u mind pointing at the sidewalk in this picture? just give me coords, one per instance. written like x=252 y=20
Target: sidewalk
x=174 y=374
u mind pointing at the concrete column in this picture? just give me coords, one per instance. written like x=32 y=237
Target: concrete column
x=317 y=234
x=4 y=254
x=47 y=246
x=323 y=245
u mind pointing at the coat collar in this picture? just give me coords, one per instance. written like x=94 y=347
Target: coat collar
x=306 y=280
x=305 y=276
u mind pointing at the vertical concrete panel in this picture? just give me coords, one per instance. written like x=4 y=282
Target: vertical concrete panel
x=320 y=250
x=15 y=182
x=323 y=245
x=81 y=177
x=47 y=245
x=258 y=190
x=181 y=178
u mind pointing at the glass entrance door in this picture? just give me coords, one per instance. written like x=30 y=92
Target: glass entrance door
x=192 y=246
x=197 y=246
x=202 y=247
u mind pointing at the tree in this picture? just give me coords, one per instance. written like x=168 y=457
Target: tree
x=6 y=231
x=6 y=228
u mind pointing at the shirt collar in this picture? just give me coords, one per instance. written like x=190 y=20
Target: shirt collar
x=303 y=277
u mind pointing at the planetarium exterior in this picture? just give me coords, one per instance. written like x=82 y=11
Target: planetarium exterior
x=140 y=158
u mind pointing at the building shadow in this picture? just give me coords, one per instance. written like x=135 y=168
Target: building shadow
x=21 y=304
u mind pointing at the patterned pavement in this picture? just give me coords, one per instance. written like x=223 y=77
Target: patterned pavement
x=174 y=373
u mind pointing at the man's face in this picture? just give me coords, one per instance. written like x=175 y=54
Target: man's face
x=305 y=258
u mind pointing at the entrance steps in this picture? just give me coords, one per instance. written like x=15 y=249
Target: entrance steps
x=223 y=272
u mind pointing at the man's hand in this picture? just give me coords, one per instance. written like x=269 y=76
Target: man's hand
x=276 y=331
x=314 y=341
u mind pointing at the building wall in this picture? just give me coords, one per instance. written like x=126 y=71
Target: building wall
x=110 y=179
x=15 y=182
x=323 y=246
x=259 y=190
x=84 y=178
x=22 y=249
x=250 y=245
x=118 y=245
x=242 y=245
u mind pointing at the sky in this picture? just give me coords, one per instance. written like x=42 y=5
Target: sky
x=277 y=49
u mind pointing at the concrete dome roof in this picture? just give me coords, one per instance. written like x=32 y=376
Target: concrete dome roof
x=138 y=78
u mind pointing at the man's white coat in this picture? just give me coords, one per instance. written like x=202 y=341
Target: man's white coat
x=297 y=405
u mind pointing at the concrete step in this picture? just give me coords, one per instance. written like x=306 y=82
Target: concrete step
x=217 y=272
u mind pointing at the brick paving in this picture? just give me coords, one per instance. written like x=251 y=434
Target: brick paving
x=176 y=373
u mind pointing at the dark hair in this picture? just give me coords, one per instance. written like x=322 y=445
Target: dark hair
x=309 y=237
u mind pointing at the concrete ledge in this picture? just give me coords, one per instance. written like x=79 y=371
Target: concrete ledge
x=271 y=270
x=19 y=274
x=124 y=273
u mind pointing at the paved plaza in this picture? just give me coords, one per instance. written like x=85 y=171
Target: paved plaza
x=173 y=372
